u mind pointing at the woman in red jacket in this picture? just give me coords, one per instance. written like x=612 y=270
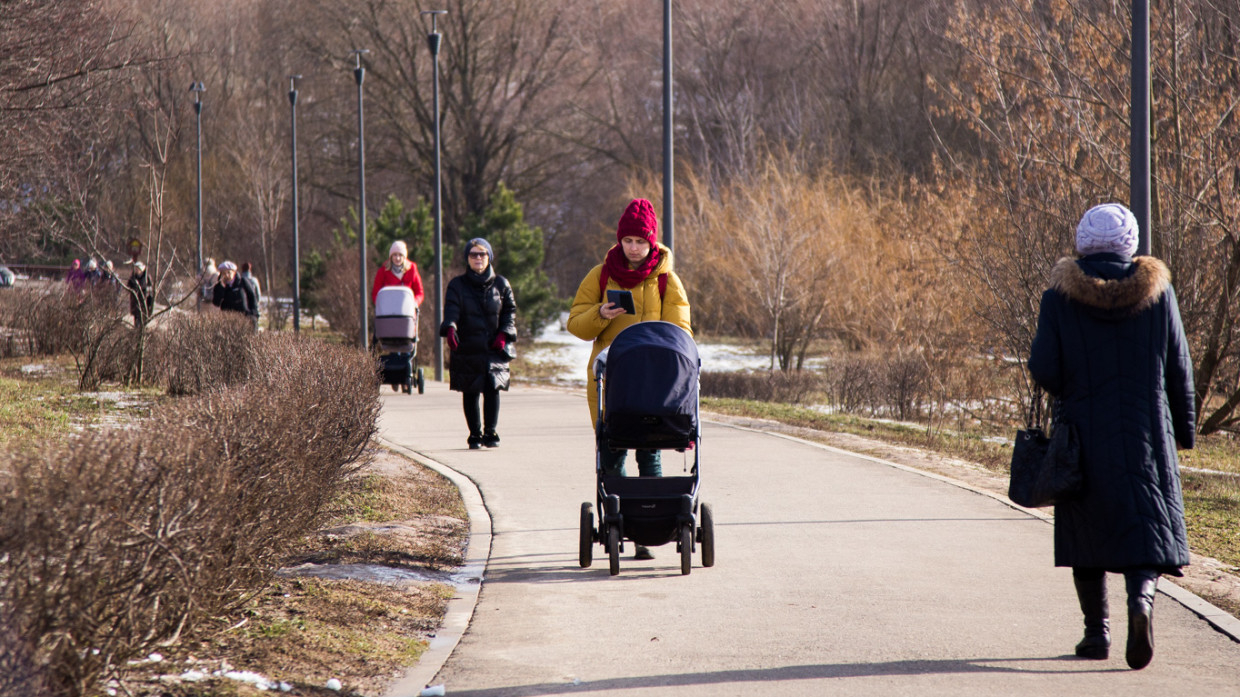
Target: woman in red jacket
x=398 y=270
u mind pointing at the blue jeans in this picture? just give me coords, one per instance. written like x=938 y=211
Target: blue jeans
x=649 y=462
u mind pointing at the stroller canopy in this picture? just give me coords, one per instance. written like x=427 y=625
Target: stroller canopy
x=392 y=301
x=651 y=387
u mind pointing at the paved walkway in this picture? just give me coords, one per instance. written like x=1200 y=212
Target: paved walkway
x=836 y=574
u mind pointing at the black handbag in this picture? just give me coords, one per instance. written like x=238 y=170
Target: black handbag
x=1045 y=470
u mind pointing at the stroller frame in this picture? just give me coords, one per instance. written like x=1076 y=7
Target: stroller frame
x=648 y=511
x=396 y=356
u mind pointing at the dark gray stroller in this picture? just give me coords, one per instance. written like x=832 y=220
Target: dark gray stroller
x=396 y=334
x=648 y=398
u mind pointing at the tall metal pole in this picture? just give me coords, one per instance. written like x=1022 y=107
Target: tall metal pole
x=359 y=74
x=433 y=40
x=197 y=88
x=669 y=231
x=1139 y=185
x=292 y=100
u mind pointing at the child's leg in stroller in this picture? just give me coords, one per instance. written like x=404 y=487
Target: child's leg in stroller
x=649 y=463
x=490 y=418
x=473 y=418
x=612 y=461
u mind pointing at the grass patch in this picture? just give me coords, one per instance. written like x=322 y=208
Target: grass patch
x=39 y=400
x=975 y=447
x=305 y=632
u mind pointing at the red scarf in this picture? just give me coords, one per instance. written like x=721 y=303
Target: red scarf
x=616 y=266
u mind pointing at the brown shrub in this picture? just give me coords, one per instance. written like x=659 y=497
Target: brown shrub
x=115 y=542
x=197 y=352
x=793 y=387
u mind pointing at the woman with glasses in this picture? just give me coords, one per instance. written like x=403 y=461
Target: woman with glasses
x=479 y=323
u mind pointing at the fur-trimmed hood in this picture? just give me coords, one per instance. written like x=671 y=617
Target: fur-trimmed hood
x=1129 y=295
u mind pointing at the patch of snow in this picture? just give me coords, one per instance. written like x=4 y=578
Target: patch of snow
x=572 y=354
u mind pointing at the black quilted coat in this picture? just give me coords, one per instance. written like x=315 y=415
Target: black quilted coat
x=1111 y=345
x=479 y=306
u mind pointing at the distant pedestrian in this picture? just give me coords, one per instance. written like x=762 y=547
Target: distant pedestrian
x=141 y=295
x=76 y=277
x=92 y=275
x=232 y=293
x=1111 y=348
x=107 y=275
x=247 y=274
x=210 y=276
x=479 y=321
x=398 y=270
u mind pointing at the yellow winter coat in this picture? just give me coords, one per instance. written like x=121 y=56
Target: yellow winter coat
x=586 y=323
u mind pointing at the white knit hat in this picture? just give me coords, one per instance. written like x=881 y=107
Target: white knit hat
x=228 y=266
x=398 y=246
x=1108 y=227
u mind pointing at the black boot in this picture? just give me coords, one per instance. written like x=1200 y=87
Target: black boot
x=490 y=439
x=1092 y=594
x=1141 y=586
x=475 y=441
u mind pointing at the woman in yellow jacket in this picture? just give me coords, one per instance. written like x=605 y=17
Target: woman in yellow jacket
x=637 y=263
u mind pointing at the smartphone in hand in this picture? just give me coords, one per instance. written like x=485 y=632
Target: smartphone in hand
x=623 y=299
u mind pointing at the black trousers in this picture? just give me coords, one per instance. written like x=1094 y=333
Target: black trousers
x=488 y=419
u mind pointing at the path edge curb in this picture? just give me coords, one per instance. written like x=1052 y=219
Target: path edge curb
x=472 y=571
x=1215 y=616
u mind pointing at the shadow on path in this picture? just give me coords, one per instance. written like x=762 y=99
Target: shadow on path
x=806 y=672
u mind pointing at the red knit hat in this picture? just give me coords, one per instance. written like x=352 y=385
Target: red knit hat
x=638 y=221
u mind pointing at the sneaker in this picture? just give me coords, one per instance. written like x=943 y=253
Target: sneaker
x=475 y=442
x=491 y=440
x=642 y=552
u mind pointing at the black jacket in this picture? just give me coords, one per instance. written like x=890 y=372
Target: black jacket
x=238 y=296
x=141 y=295
x=478 y=307
x=1111 y=346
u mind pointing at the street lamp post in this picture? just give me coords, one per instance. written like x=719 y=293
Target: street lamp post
x=1139 y=184
x=669 y=232
x=292 y=100
x=433 y=40
x=197 y=88
x=359 y=74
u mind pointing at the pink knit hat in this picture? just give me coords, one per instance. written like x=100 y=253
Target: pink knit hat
x=638 y=221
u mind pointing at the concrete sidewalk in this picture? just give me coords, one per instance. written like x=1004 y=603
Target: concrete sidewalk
x=835 y=574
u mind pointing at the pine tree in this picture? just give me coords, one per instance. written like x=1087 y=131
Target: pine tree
x=519 y=254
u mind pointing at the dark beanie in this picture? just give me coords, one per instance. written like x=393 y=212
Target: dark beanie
x=638 y=221
x=479 y=242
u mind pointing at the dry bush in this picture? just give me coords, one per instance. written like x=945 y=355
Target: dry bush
x=198 y=352
x=116 y=542
x=896 y=384
x=792 y=387
x=48 y=320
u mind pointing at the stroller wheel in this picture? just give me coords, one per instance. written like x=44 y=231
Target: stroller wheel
x=707 y=538
x=421 y=382
x=686 y=549
x=586 y=552
x=613 y=549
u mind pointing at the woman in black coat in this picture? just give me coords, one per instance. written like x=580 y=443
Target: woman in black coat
x=479 y=321
x=1110 y=346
